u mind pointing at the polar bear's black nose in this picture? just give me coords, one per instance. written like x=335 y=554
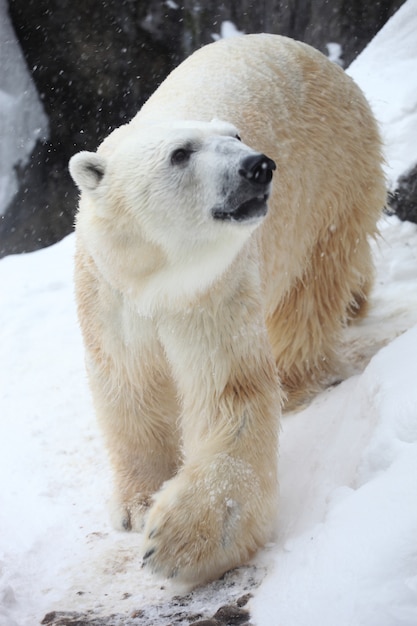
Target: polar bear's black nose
x=258 y=169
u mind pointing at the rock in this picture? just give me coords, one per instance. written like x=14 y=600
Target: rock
x=206 y=622
x=403 y=201
x=90 y=81
x=230 y=614
x=243 y=600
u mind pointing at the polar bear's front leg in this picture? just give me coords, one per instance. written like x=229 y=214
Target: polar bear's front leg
x=220 y=507
x=138 y=414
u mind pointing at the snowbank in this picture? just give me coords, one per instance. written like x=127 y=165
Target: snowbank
x=22 y=118
x=347 y=552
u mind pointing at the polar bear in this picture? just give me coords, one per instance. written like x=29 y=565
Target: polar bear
x=222 y=245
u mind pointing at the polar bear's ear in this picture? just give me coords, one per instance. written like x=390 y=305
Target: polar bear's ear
x=87 y=170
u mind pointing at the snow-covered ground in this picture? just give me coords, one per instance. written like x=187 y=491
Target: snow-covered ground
x=345 y=550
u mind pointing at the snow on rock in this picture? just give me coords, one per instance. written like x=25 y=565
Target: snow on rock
x=227 y=29
x=22 y=118
x=387 y=73
x=335 y=53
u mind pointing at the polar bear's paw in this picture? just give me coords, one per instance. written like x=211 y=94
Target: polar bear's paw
x=203 y=523
x=130 y=514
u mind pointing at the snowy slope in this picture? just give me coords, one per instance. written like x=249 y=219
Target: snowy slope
x=345 y=550
x=386 y=71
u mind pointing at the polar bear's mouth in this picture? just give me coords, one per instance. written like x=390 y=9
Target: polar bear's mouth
x=255 y=207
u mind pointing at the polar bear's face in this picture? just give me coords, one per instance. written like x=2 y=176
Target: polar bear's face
x=185 y=178
x=192 y=189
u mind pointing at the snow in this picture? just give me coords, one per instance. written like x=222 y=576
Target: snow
x=227 y=29
x=345 y=549
x=22 y=119
x=335 y=52
x=347 y=552
x=386 y=72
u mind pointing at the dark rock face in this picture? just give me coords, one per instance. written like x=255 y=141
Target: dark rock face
x=94 y=64
x=403 y=201
x=317 y=22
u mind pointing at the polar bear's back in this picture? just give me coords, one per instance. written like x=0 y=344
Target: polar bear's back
x=271 y=87
x=228 y=78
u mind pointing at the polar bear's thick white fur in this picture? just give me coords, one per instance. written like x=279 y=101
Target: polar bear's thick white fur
x=197 y=309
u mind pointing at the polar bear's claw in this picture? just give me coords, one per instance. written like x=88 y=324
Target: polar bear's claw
x=146 y=556
x=130 y=516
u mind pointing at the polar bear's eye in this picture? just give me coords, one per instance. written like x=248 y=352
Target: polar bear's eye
x=238 y=137
x=181 y=156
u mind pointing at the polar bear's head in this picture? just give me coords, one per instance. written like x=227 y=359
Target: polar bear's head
x=191 y=189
